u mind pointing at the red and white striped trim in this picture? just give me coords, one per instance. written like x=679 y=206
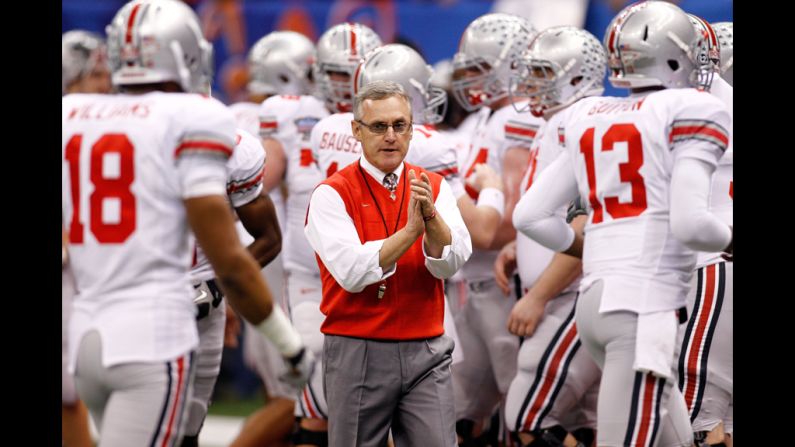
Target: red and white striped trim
x=698 y=335
x=202 y=147
x=242 y=185
x=551 y=374
x=518 y=130
x=268 y=125
x=174 y=404
x=310 y=407
x=682 y=130
x=644 y=416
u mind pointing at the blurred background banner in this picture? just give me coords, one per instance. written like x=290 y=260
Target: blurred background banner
x=431 y=26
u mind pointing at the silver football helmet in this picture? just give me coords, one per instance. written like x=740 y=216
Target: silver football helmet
x=281 y=64
x=81 y=52
x=401 y=64
x=486 y=53
x=152 y=41
x=340 y=50
x=562 y=65
x=725 y=32
x=653 y=43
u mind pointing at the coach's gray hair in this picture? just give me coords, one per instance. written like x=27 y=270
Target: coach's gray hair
x=378 y=90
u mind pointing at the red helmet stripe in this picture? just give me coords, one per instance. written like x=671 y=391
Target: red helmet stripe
x=711 y=32
x=353 y=41
x=611 y=42
x=356 y=78
x=131 y=22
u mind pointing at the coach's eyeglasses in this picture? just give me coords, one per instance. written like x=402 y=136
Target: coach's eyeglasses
x=380 y=128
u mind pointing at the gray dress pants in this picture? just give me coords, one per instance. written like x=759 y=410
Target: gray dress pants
x=372 y=386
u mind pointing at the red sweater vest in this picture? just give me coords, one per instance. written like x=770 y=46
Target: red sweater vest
x=412 y=306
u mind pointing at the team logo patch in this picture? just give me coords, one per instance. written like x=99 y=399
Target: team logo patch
x=305 y=124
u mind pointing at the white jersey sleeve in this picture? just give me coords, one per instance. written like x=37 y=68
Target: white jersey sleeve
x=246 y=167
x=202 y=151
x=700 y=126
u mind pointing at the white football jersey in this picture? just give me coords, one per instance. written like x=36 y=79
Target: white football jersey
x=721 y=198
x=247 y=118
x=129 y=161
x=289 y=119
x=493 y=136
x=622 y=152
x=333 y=144
x=244 y=184
x=533 y=258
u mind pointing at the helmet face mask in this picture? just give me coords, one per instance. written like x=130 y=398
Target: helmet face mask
x=538 y=81
x=486 y=54
x=155 y=41
x=340 y=50
x=476 y=85
x=707 y=52
x=281 y=63
x=561 y=65
x=436 y=105
x=403 y=65
x=653 y=43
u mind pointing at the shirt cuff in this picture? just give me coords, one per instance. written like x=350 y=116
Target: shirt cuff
x=445 y=251
x=375 y=247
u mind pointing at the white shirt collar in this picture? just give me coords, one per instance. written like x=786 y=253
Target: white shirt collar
x=376 y=173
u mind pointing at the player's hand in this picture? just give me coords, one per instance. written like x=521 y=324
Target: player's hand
x=504 y=266
x=484 y=176
x=299 y=369
x=525 y=316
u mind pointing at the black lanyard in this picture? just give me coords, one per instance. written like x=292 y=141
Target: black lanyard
x=402 y=197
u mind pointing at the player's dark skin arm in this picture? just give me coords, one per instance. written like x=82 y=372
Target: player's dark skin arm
x=259 y=219
x=235 y=269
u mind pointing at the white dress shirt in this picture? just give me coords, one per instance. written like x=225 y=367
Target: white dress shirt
x=332 y=234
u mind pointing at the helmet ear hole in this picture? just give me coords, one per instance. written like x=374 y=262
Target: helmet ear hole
x=576 y=80
x=673 y=64
x=284 y=79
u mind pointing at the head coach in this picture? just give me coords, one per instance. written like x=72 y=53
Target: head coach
x=386 y=234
